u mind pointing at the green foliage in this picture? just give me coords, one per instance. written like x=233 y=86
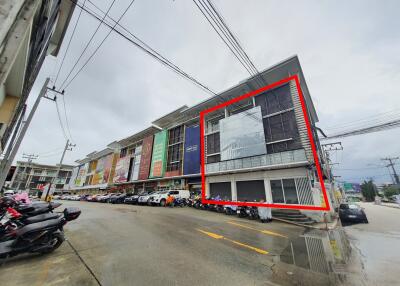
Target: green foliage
x=390 y=191
x=368 y=190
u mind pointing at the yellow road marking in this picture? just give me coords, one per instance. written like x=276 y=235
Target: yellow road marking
x=259 y=230
x=217 y=236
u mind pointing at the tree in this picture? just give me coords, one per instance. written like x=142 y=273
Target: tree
x=368 y=190
x=390 y=191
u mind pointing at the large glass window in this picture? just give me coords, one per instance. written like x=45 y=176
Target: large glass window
x=289 y=188
x=282 y=126
x=284 y=191
x=251 y=191
x=277 y=191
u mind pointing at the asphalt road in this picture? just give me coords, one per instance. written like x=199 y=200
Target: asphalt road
x=379 y=244
x=140 y=245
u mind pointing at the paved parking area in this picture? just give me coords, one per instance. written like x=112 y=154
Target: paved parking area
x=140 y=245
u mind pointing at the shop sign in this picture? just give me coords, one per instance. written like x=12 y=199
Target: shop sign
x=191 y=157
x=121 y=170
x=158 y=161
x=145 y=158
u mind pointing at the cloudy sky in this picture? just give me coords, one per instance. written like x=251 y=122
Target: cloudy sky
x=349 y=52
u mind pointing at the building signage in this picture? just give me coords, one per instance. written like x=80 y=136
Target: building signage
x=158 y=160
x=136 y=163
x=122 y=170
x=74 y=176
x=81 y=177
x=242 y=135
x=145 y=158
x=191 y=157
x=103 y=170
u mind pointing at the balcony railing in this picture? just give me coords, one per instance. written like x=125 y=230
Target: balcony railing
x=258 y=161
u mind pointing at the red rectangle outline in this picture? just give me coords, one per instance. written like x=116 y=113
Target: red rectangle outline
x=309 y=133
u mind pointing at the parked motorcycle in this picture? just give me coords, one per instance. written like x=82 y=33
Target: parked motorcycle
x=242 y=211
x=252 y=213
x=230 y=210
x=41 y=237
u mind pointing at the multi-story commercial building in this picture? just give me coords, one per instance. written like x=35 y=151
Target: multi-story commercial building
x=256 y=149
x=34 y=177
x=29 y=30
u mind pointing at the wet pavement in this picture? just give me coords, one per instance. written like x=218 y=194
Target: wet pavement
x=140 y=245
x=379 y=244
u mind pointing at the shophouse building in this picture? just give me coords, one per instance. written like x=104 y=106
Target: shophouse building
x=256 y=149
x=33 y=177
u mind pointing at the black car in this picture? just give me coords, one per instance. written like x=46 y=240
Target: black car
x=118 y=199
x=352 y=213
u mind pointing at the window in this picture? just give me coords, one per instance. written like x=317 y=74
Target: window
x=289 y=188
x=251 y=191
x=213 y=144
x=223 y=190
x=284 y=191
x=123 y=152
x=175 y=149
x=174 y=192
x=281 y=126
x=277 y=191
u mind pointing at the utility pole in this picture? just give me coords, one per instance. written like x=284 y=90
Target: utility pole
x=29 y=157
x=391 y=164
x=7 y=161
x=68 y=147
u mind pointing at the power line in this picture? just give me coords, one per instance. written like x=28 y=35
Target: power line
x=145 y=47
x=59 y=119
x=101 y=43
x=69 y=43
x=66 y=118
x=87 y=44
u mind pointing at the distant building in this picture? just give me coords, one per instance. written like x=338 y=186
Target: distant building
x=29 y=30
x=34 y=177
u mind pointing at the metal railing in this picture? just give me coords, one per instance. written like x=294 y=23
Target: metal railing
x=258 y=161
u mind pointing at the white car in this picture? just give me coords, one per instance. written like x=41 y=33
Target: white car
x=160 y=198
x=143 y=199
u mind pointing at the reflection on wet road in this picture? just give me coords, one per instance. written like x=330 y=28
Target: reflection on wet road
x=379 y=244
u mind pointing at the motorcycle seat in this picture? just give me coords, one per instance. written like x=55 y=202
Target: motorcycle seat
x=41 y=217
x=38 y=226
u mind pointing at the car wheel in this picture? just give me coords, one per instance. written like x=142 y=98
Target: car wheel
x=365 y=220
x=162 y=202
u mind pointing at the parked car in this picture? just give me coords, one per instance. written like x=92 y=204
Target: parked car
x=133 y=200
x=160 y=198
x=143 y=199
x=93 y=198
x=117 y=199
x=349 y=212
x=103 y=198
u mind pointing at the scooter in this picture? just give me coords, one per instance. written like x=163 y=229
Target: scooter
x=41 y=237
x=230 y=210
x=242 y=211
x=252 y=213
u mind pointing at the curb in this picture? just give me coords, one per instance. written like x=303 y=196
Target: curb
x=331 y=227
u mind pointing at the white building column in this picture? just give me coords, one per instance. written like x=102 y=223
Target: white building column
x=233 y=189
x=268 y=192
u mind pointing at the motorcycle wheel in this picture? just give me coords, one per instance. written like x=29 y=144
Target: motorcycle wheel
x=55 y=241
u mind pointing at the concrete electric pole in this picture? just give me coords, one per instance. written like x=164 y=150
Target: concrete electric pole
x=391 y=164
x=68 y=147
x=12 y=150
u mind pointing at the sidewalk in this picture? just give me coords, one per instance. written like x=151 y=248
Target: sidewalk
x=390 y=205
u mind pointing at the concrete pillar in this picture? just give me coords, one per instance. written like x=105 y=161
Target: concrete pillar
x=268 y=192
x=233 y=189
